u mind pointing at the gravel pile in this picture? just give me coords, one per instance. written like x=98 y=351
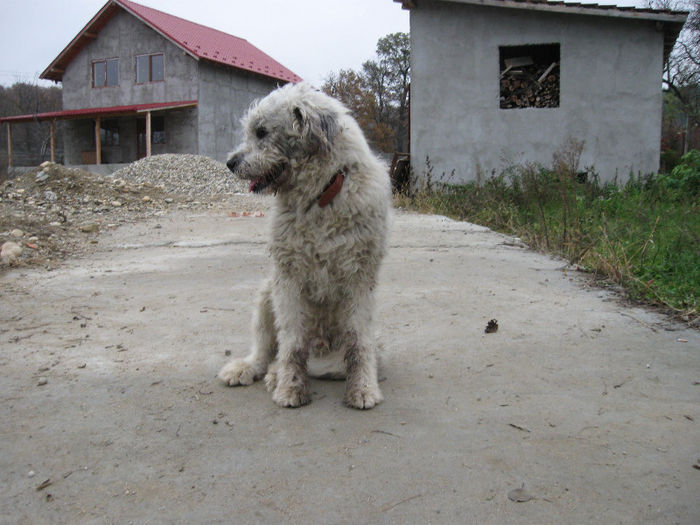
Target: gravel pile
x=192 y=175
x=54 y=212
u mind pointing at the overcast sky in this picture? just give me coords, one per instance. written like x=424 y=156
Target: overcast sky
x=310 y=37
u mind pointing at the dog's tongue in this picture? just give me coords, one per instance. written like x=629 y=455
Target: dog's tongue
x=256 y=185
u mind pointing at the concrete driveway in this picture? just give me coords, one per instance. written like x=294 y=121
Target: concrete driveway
x=577 y=410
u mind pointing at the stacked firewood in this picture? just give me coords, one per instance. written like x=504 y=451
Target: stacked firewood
x=530 y=86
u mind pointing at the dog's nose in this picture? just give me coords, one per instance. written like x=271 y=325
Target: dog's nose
x=234 y=162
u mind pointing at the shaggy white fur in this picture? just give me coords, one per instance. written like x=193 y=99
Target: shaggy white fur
x=315 y=313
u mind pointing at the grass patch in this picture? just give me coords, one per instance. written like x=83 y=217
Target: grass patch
x=643 y=234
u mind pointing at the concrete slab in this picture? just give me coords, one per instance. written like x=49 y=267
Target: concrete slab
x=589 y=406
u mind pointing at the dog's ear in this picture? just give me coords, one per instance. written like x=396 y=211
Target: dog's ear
x=299 y=120
x=329 y=127
x=321 y=129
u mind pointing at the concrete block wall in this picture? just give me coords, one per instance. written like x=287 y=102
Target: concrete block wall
x=224 y=96
x=610 y=84
x=125 y=37
x=211 y=129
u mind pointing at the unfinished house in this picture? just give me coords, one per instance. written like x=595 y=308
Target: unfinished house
x=137 y=82
x=502 y=82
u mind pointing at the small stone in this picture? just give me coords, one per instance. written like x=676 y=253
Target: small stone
x=10 y=251
x=31 y=474
x=89 y=227
x=46 y=164
x=116 y=204
x=17 y=233
x=41 y=177
x=33 y=238
x=168 y=200
x=82 y=365
x=50 y=196
x=42 y=381
x=146 y=199
x=55 y=223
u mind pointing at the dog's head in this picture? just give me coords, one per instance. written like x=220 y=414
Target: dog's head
x=284 y=133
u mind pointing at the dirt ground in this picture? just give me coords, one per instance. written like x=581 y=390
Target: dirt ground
x=578 y=409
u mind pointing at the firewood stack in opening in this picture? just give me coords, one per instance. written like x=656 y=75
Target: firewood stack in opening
x=529 y=84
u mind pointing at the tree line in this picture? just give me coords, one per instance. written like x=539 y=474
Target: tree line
x=681 y=80
x=31 y=140
x=378 y=94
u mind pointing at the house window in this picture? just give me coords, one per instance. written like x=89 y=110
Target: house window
x=529 y=76
x=105 y=73
x=109 y=133
x=149 y=68
x=158 y=130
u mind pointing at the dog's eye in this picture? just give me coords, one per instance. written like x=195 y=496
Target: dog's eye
x=260 y=132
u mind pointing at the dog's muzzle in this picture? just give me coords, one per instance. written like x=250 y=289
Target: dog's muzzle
x=259 y=183
x=234 y=162
x=270 y=179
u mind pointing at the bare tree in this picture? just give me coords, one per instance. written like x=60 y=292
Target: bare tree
x=378 y=93
x=681 y=75
x=31 y=140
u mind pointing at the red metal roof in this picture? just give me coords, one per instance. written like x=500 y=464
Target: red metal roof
x=200 y=42
x=111 y=111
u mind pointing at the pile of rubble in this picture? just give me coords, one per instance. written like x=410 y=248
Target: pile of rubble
x=186 y=174
x=53 y=212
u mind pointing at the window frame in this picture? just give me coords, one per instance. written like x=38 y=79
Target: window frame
x=149 y=56
x=104 y=62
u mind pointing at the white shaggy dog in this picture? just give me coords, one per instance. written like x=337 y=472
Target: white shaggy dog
x=329 y=234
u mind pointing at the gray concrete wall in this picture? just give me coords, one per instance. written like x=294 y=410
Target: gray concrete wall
x=224 y=96
x=610 y=91
x=180 y=137
x=77 y=137
x=126 y=37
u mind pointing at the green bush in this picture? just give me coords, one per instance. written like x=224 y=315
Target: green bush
x=685 y=177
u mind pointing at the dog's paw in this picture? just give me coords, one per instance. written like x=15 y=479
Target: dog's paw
x=291 y=396
x=271 y=380
x=363 y=397
x=238 y=372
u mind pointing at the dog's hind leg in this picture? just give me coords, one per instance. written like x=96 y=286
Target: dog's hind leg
x=251 y=368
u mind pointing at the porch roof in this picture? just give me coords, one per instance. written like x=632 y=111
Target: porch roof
x=111 y=111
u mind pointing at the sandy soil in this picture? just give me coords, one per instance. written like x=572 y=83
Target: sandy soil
x=111 y=412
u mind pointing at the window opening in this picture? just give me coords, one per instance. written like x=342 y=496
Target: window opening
x=529 y=76
x=158 y=130
x=149 y=68
x=109 y=133
x=105 y=73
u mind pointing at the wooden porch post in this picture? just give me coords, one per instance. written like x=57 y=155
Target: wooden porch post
x=148 y=133
x=9 y=145
x=53 y=142
x=98 y=141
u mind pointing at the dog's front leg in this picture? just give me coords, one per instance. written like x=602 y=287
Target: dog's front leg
x=243 y=371
x=291 y=379
x=292 y=388
x=362 y=384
